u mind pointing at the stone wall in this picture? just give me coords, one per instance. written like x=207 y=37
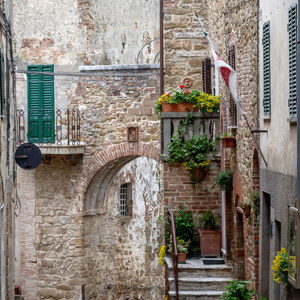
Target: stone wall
x=235 y=23
x=60 y=249
x=185 y=44
x=9 y=206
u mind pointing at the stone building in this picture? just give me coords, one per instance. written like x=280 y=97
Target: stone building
x=90 y=212
x=9 y=205
x=233 y=29
x=279 y=88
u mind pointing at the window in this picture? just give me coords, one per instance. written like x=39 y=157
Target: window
x=266 y=69
x=40 y=105
x=232 y=106
x=125 y=200
x=292 y=30
x=206 y=75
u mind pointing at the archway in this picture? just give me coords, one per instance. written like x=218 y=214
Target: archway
x=122 y=249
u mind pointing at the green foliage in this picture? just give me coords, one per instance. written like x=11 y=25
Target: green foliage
x=227 y=134
x=262 y=298
x=184 y=224
x=208 y=219
x=255 y=197
x=224 y=179
x=237 y=290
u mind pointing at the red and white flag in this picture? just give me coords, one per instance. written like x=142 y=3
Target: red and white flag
x=230 y=77
x=228 y=73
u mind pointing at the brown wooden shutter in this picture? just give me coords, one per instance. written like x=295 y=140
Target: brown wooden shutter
x=232 y=106
x=206 y=75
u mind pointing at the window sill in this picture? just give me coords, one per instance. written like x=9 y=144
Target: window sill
x=292 y=120
x=267 y=118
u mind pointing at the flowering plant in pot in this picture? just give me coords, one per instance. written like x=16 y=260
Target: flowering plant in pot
x=186 y=100
x=182 y=249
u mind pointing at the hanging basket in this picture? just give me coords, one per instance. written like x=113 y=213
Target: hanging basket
x=228 y=142
x=199 y=174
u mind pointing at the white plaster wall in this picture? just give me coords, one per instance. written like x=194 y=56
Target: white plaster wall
x=279 y=144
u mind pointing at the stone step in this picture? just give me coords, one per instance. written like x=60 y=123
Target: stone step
x=196 y=269
x=193 y=295
x=199 y=284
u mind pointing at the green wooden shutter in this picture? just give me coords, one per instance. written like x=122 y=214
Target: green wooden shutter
x=292 y=30
x=41 y=105
x=266 y=69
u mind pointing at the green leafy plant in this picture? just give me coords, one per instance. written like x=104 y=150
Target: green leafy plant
x=199 y=99
x=224 y=179
x=227 y=134
x=208 y=219
x=184 y=225
x=237 y=290
x=255 y=200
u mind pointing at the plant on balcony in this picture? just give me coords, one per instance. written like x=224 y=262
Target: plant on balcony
x=196 y=100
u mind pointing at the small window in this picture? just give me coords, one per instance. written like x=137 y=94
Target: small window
x=125 y=200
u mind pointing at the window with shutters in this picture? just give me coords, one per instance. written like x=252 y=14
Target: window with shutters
x=266 y=69
x=40 y=104
x=125 y=199
x=206 y=75
x=292 y=30
x=232 y=106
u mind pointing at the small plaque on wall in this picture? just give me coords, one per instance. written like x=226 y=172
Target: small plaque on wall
x=132 y=134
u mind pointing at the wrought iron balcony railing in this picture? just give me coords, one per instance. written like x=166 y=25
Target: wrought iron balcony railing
x=204 y=123
x=48 y=126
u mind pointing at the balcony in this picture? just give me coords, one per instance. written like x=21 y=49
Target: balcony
x=204 y=122
x=54 y=131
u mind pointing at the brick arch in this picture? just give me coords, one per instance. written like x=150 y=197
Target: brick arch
x=97 y=175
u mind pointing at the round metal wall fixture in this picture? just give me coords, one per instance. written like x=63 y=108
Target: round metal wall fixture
x=28 y=156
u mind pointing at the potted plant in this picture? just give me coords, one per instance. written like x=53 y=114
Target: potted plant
x=210 y=236
x=185 y=100
x=182 y=249
x=228 y=140
x=192 y=153
x=224 y=179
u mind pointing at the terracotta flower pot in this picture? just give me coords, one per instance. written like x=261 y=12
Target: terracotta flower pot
x=210 y=242
x=199 y=174
x=181 y=257
x=228 y=142
x=180 y=107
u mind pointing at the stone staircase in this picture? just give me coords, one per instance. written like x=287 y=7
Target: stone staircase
x=198 y=281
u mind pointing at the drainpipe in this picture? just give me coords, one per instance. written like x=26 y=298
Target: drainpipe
x=298 y=111
x=161 y=47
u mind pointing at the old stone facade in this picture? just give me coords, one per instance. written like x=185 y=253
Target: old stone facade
x=74 y=239
x=9 y=205
x=233 y=29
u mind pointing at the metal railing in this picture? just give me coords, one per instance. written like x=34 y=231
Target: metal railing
x=174 y=252
x=48 y=126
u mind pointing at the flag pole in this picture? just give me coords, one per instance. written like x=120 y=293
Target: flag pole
x=235 y=97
